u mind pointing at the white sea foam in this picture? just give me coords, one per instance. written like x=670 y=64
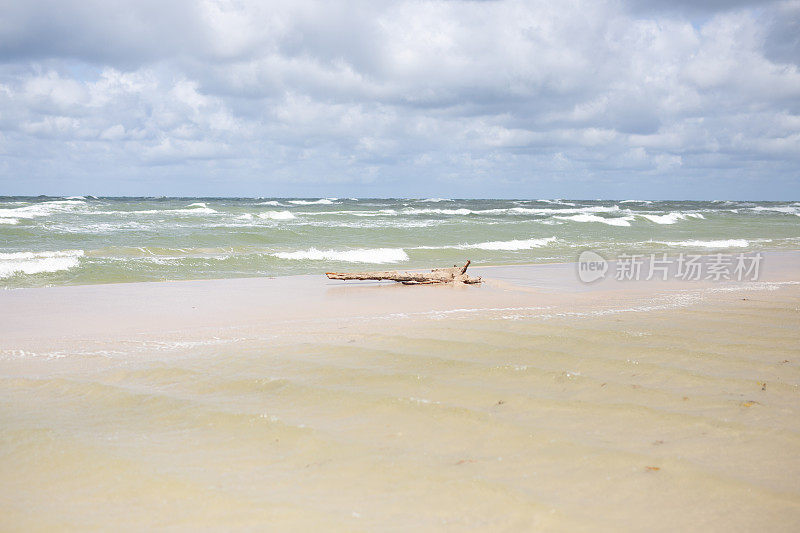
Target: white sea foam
x=276 y=215
x=270 y=202
x=9 y=221
x=362 y=255
x=379 y=213
x=75 y=198
x=197 y=204
x=462 y=211
x=636 y=202
x=435 y=200
x=495 y=245
x=41 y=209
x=321 y=201
x=557 y=201
x=585 y=217
x=516 y=211
x=729 y=243
x=670 y=218
x=38 y=262
x=511 y=245
x=197 y=210
x=788 y=209
x=556 y=211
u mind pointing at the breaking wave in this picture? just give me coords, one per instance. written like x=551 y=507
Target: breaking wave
x=40 y=210
x=670 y=218
x=512 y=245
x=412 y=211
x=788 y=209
x=38 y=262
x=321 y=201
x=362 y=255
x=729 y=243
x=191 y=209
x=614 y=221
x=276 y=215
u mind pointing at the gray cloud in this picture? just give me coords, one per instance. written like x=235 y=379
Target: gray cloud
x=509 y=98
x=782 y=42
x=693 y=7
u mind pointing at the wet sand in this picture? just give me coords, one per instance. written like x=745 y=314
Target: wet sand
x=534 y=401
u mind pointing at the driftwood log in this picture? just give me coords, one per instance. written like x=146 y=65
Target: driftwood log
x=438 y=275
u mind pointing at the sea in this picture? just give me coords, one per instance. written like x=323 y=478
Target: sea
x=47 y=241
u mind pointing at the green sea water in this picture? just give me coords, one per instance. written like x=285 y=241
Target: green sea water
x=88 y=240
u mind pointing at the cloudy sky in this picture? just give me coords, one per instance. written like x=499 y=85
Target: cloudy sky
x=525 y=99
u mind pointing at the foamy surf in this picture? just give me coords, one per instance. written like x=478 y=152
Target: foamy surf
x=462 y=212
x=321 y=201
x=276 y=215
x=611 y=221
x=362 y=255
x=38 y=262
x=670 y=218
x=788 y=209
x=42 y=209
x=728 y=243
x=556 y=202
x=450 y=230
x=512 y=245
x=564 y=211
x=194 y=209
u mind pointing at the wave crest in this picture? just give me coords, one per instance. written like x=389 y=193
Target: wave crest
x=670 y=218
x=276 y=215
x=321 y=201
x=38 y=262
x=511 y=245
x=361 y=255
x=729 y=243
x=614 y=221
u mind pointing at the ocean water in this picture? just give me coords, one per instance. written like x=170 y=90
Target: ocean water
x=87 y=240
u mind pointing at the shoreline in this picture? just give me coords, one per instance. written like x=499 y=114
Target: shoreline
x=49 y=316
x=777 y=252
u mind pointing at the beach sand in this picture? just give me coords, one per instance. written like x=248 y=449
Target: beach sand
x=531 y=402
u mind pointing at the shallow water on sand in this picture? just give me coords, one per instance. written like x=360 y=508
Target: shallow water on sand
x=682 y=417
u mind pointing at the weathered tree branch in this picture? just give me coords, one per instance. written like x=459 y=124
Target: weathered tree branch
x=437 y=275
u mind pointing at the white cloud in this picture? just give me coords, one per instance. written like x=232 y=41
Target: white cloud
x=514 y=94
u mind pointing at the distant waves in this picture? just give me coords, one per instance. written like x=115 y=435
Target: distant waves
x=85 y=239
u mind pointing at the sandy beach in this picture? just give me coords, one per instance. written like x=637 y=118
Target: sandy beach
x=533 y=401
